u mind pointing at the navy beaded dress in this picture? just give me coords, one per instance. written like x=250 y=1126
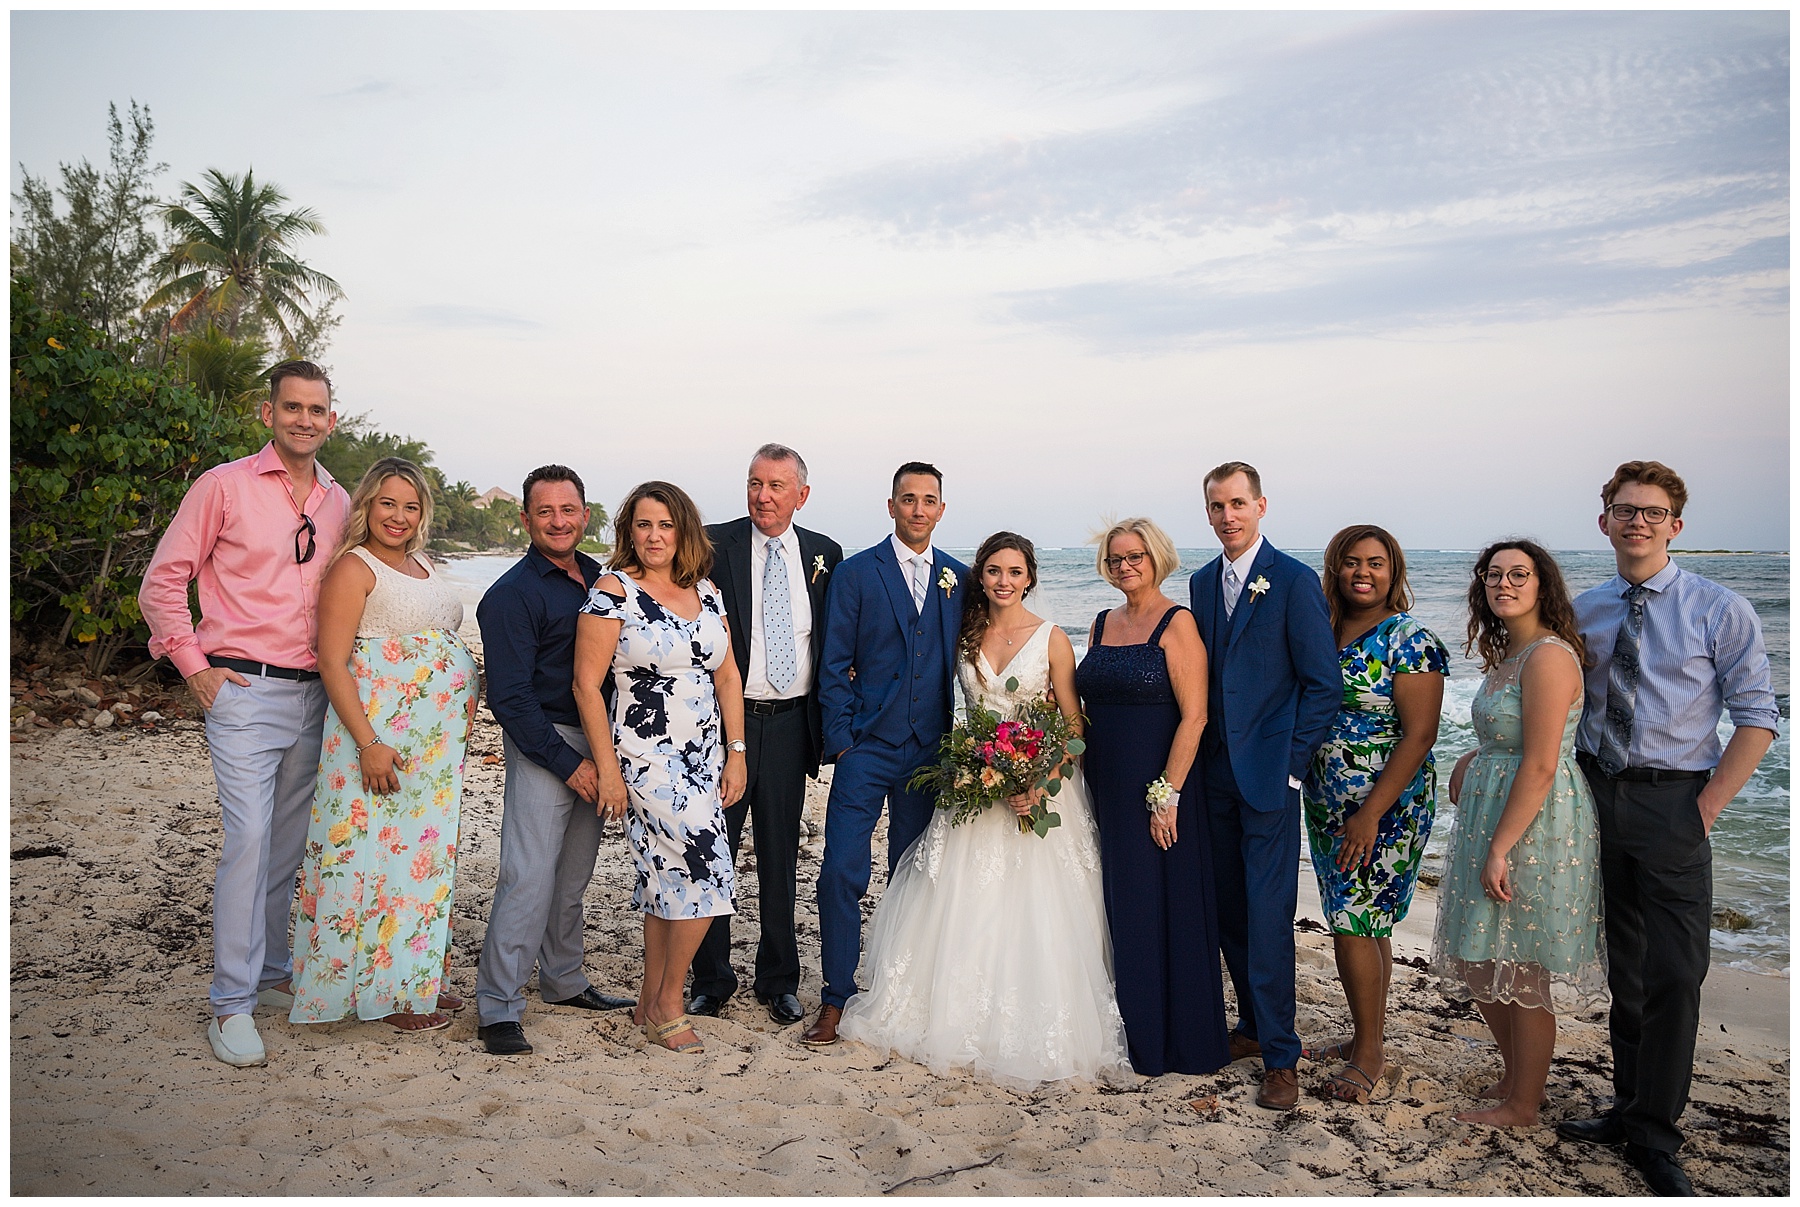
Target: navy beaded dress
x=1159 y=904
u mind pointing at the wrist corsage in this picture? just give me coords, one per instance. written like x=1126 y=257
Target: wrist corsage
x=1161 y=795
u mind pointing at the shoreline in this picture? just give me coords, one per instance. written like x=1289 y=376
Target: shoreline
x=115 y=838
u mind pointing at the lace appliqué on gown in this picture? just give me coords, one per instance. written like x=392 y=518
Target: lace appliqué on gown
x=989 y=949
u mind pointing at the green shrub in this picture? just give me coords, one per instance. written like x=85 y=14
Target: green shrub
x=102 y=452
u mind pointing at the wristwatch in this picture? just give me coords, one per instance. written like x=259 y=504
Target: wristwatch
x=736 y=747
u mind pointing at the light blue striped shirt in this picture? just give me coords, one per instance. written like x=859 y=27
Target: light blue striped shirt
x=1702 y=655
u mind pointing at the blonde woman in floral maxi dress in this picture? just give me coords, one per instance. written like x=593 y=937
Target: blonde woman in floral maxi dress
x=373 y=938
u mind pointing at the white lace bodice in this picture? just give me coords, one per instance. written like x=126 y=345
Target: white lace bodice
x=981 y=684
x=401 y=604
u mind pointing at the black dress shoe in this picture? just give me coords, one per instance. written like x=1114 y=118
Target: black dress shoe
x=504 y=1039
x=784 y=1008
x=707 y=1004
x=1660 y=1171
x=1601 y=1129
x=592 y=999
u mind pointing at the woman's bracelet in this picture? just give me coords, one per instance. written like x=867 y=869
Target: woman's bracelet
x=1161 y=795
x=369 y=743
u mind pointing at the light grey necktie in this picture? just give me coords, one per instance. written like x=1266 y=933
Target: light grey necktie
x=1231 y=590
x=778 y=621
x=921 y=570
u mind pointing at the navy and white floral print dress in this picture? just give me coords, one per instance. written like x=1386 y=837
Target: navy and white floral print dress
x=665 y=727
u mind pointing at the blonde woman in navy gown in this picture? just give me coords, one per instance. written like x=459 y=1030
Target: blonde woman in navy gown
x=1143 y=690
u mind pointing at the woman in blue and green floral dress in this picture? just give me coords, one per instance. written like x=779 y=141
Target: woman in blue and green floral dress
x=1371 y=792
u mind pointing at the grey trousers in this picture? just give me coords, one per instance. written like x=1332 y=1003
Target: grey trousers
x=549 y=838
x=265 y=741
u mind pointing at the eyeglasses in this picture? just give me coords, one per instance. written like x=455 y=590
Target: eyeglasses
x=1130 y=559
x=1625 y=513
x=304 y=553
x=1518 y=576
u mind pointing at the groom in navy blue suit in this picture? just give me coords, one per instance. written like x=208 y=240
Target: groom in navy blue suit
x=1274 y=690
x=891 y=620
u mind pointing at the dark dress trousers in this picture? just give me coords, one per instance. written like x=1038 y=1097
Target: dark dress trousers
x=1273 y=692
x=783 y=746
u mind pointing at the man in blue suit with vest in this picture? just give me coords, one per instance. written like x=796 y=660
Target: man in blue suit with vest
x=891 y=620
x=1274 y=690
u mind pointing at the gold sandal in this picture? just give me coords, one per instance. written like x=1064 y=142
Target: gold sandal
x=660 y=1035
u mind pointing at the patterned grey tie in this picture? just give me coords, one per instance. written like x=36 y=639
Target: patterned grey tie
x=778 y=621
x=1622 y=686
x=921 y=570
x=1231 y=590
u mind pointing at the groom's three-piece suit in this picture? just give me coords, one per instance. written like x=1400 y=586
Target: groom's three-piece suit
x=1274 y=687
x=885 y=697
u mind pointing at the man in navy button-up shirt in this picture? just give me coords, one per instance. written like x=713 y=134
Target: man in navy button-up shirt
x=550 y=830
x=1660 y=781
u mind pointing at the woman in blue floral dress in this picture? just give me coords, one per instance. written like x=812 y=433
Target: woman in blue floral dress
x=1371 y=792
x=656 y=625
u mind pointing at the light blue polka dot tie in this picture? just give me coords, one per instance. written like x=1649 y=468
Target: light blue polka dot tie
x=778 y=621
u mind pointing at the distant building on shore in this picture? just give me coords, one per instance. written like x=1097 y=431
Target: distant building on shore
x=499 y=492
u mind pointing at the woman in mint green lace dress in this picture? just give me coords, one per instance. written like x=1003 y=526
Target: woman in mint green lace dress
x=1519 y=915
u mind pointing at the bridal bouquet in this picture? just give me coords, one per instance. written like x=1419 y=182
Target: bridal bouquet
x=985 y=758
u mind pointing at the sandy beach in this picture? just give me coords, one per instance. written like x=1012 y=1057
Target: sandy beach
x=115 y=835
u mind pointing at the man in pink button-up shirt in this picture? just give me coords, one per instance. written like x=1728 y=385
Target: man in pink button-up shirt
x=256 y=534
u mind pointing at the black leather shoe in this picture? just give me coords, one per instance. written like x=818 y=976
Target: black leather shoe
x=784 y=1008
x=707 y=1004
x=1660 y=1171
x=1601 y=1129
x=592 y=999
x=504 y=1039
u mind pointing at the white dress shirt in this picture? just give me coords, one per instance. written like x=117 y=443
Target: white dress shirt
x=1240 y=566
x=756 y=679
x=909 y=570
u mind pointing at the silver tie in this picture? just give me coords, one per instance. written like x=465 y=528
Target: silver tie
x=778 y=621
x=921 y=570
x=1231 y=590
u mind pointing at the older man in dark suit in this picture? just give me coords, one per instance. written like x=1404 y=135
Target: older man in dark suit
x=773 y=575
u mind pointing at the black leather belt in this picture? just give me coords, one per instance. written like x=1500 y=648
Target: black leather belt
x=1640 y=775
x=246 y=667
x=769 y=708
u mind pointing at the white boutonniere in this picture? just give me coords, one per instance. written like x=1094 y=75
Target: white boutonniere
x=818 y=568
x=1258 y=587
x=947 y=580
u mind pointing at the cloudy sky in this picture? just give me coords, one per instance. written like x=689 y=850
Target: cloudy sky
x=1435 y=271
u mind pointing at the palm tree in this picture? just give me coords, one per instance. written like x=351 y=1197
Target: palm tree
x=231 y=261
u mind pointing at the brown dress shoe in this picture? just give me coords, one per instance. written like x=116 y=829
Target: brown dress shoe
x=1280 y=1090
x=823 y=1031
x=1239 y=1046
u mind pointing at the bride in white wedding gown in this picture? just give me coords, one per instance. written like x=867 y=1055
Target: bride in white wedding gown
x=989 y=950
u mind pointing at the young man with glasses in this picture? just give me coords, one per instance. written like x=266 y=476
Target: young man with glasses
x=1671 y=652
x=256 y=535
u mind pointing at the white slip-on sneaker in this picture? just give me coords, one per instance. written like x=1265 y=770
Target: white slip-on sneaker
x=275 y=998
x=236 y=1042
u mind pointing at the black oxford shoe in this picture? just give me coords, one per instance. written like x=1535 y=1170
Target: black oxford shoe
x=784 y=1008
x=1601 y=1129
x=1664 y=1176
x=706 y=1004
x=504 y=1039
x=592 y=999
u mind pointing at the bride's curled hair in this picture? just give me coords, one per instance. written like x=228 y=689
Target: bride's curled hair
x=975 y=602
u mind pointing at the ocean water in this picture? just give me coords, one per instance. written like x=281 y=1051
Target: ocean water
x=1750 y=841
